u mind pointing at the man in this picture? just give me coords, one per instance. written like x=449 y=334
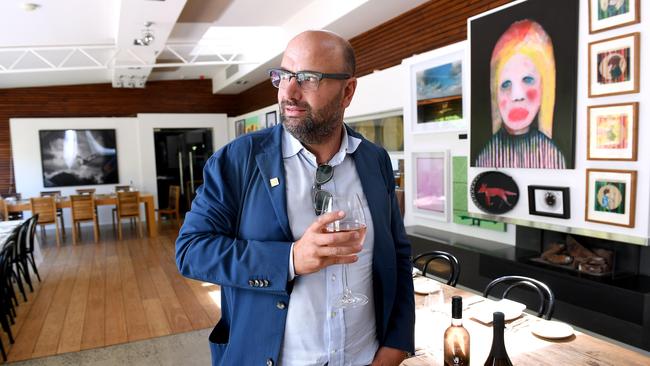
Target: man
x=254 y=230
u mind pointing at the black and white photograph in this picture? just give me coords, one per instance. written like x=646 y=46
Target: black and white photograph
x=78 y=157
x=549 y=201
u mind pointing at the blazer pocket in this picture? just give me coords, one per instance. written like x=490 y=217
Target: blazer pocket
x=219 y=341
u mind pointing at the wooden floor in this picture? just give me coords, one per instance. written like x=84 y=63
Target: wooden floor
x=95 y=295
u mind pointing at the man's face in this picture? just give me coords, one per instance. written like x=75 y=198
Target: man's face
x=312 y=116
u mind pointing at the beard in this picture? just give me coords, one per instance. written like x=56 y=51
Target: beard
x=317 y=125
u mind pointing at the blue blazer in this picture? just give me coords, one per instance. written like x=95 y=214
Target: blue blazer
x=237 y=235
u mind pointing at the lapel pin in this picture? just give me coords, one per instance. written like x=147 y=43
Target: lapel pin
x=274 y=182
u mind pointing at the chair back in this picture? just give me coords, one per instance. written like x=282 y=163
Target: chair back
x=86 y=191
x=83 y=207
x=45 y=207
x=546 y=297
x=51 y=193
x=174 y=197
x=122 y=188
x=128 y=204
x=450 y=269
x=29 y=242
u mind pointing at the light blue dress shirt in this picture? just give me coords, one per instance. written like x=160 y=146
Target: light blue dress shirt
x=315 y=332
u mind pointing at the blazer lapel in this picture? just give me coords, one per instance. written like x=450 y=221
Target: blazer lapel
x=269 y=162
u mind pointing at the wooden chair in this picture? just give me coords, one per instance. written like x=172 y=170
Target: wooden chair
x=45 y=207
x=451 y=269
x=11 y=215
x=122 y=188
x=172 y=205
x=59 y=211
x=83 y=209
x=86 y=191
x=546 y=297
x=128 y=205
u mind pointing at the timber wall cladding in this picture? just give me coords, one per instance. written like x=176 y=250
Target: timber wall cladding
x=431 y=25
x=102 y=100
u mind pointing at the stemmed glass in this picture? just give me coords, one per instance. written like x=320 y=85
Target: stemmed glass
x=354 y=220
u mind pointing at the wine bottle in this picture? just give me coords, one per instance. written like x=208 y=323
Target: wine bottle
x=456 y=337
x=498 y=355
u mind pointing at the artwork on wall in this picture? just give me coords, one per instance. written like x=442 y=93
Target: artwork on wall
x=78 y=157
x=524 y=85
x=549 y=201
x=437 y=91
x=614 y=66
x=252 y=124
x=271 y=119
x=385 y=130
x=431 y=197
x=494 y=192
x=608 y=14
x=611 y=197
x=240 y=127
x=612 y=131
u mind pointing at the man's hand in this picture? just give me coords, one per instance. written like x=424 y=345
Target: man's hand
x=318 y=249
x=387 y=356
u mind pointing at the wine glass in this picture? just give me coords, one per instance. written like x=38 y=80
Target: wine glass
x=354 y=220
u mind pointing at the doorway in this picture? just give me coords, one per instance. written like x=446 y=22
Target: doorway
x=180 y=156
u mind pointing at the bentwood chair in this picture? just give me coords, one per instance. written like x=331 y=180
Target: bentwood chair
x=440 y=264
x=26 y=249
x=83 y=209
x=45 y=208
x=173 y=208
x=59 y=211
x=128 y=206
x=508 y=283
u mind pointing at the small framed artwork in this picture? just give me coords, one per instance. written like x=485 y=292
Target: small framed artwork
x=614 y=66
x=494 y=192
x=609 y=14
x=549 y=201
x=271 y=119
x=240 y=127
x=252 y=124
x=431 y=186
x=612 y=131
x=611 y=197
x=437 y=91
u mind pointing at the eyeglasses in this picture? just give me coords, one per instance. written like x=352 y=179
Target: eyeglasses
x=308 y=80
x=324 y=174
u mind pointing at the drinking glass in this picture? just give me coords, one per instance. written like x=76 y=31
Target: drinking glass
x=354 y=220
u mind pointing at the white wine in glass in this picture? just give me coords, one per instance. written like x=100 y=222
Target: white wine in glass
x=354 y=220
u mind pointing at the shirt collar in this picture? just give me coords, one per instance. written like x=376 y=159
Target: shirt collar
x=291 y=146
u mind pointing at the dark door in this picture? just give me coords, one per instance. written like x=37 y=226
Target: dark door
x=180 y=157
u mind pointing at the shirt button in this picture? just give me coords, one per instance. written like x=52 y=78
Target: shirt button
x=269 y=362
x=281 y=305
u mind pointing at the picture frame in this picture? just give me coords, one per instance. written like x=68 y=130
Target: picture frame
x=494 y=192
x=252 y=124
x=549 y=201
x=437 y=92
x=611 y=197
x=614 y=65
x=612 y=131
x=607 y=15
x=431 y=195
x=240 y=127
x=271 y=119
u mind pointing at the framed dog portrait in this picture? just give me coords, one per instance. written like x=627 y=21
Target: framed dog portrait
x=431 y=186
x=609 y=14
x=612 y=131
x=549 y=201
x=614 y=66
x=611 y=197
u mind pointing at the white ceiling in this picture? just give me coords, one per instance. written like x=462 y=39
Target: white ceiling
x=67 y=42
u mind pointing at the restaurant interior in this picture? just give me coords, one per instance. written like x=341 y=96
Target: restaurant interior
x=110 y=110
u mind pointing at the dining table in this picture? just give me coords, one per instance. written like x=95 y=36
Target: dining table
x=101 y=199
x=523 y=343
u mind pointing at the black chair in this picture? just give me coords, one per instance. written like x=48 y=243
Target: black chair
x=546 y=297
x=28 y=249
x=11 y=248
x=24 y=255
x=451 y=271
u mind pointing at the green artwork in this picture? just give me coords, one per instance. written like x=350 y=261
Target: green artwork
x=610 y=197
x=612 y=8
x=252 y=124
x=459 y=188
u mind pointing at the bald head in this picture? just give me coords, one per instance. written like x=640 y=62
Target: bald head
x=316 y=44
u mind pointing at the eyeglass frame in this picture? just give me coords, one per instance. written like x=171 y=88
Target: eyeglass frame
x=296 y=75
x=317 y=191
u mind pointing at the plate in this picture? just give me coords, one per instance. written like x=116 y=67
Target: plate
x=551 y=329
x=484 y=311
x=424 y=286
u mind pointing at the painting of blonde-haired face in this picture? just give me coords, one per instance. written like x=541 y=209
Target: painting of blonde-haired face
x=523 y=88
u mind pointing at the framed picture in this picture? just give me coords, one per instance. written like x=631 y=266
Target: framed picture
x=437 y=91
x=271 y=119
x=614 y=66
x=609 y=14
x=494 y=192
x=549 y=201
x=431 y=186
x=78 y=157
x=612 y=131
x=523 y=59
x=252 y=124
x=240 y=127
x=611 y=197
